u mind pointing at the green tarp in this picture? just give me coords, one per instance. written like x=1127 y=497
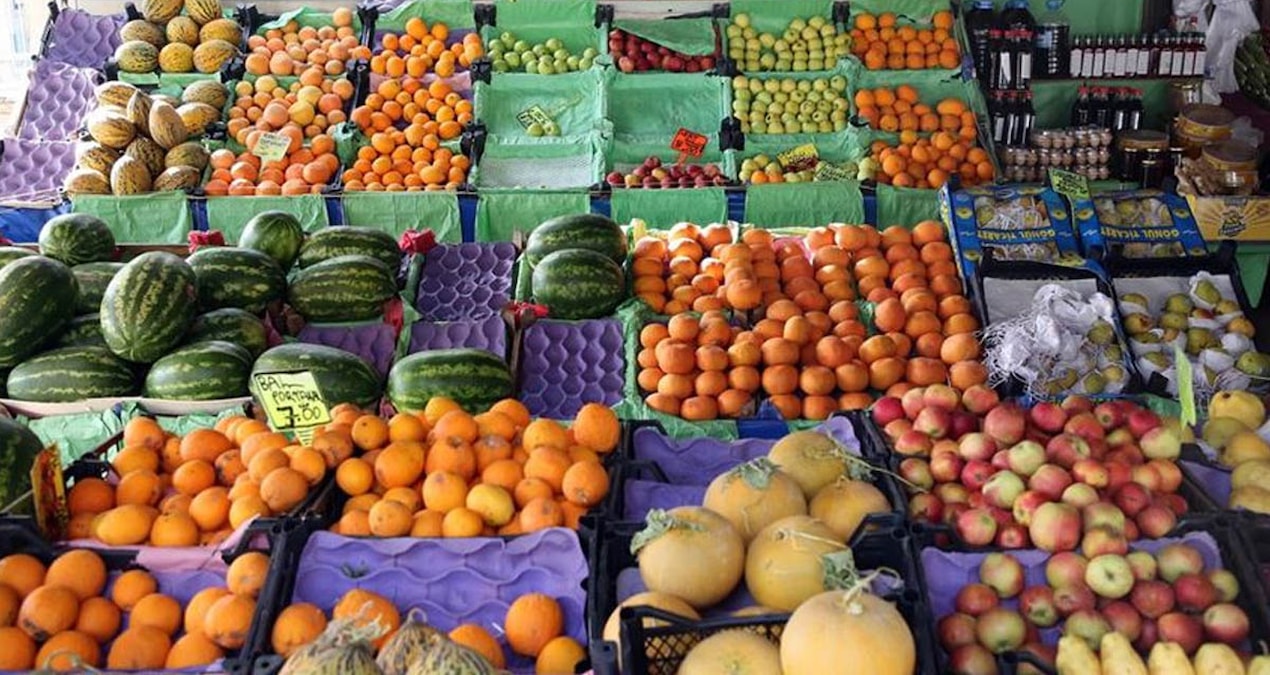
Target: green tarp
x=906 y=206
x=154 y=218
x=230 y=214
x=804 y=204
x=574 y=101
x=773 y=16
x=76 y=434
x=918 y=11
x=663 y=208
x=694 y=37
x=307 y=16
x=656 y=105
x=453 y=13
x=501 y=213
x=396 y=212
x=570 y=21
x=560 y=164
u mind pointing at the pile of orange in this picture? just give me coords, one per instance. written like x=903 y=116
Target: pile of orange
x=59 y=616
x=293 y=48
x=686 y=268
x=422 y=50
x=447 y=473
x=192 y=490
x=411 y=158
x=900 y=109
x=533 y=627
x=882 y=43
x=302 y=171
x=930 y=162
x=698 y=368
x=311 y=104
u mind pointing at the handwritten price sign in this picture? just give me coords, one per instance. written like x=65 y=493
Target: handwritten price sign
x=271 y=147
x=688 y=143
x=292 y=401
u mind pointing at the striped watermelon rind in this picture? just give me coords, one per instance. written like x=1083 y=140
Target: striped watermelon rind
x=241 y=278
x=235 y=326
x=204 y=371
x=37 y=300
x=334 y=242
x=474 y=378
x=148 y=306
x=275 y=233
x=10 y=253
x=93 y=278
x=83 y=331
x=77 y=238
x=346 y=288
x=342 y=376
x=18 y=449
x=72 y=374
x=578 y=284
x=577 y=231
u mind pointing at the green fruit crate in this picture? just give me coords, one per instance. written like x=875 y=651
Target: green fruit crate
x=577 y=24
x=559 y=164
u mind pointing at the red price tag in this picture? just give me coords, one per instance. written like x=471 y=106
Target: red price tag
x=688 y=142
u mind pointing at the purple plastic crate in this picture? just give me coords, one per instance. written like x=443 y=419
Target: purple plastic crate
x=376 y=343
x=1215 y=480
x=34 y=170
x=489 y=334
x=82 y=39
x=57 y=99
x=453 y=581
x=566 y=364
x=465 y=281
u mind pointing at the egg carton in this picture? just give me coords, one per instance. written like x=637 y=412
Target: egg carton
x=57 y=99
x=565 y=364
x=81 y=39
x=465 y=281
x=453 y=581
x=489 y=334
x=376 y=343
x=33 y=171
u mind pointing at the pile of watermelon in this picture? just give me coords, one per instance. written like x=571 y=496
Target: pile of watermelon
x=1252 y=67
x=577 y=266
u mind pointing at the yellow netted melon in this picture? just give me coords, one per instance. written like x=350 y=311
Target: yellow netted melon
x=211 y=55
x=137 y=56
x=189 y=153
x=149 y=152
x=86 y=182
x=166 y=127
x=176 y=178
x=177 y=57
x=196 y=117
x=211 y=92
x=110 y=128
x=204 y=11
x=182 y=29
x=95 y=156
x=138 y=112
x=145 y=31
x=221 y=29
x=129 y=176
x=160 y=11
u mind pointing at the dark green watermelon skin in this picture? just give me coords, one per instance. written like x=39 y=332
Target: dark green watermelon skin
x=334 y=242
x=277 y=234
x=235 y=326
x=83 y=331
x=343 y=377
x=579 y=231
x=578 y=284
x=474 y=378
x=149 y=306
x=93 y=278
x=37 y=300
x=347 y=288
x=10 y=253
x=204 y=371
x=240 y=278
x=77 y=238
x=18 y=449
x=72 y=374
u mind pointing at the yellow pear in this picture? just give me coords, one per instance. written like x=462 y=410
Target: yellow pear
x=1168 y=658
x=1259 y=665
x=1243 y=447
x=1215 y=658
x=1250 y=498
x=1119 y=657
x=1253 y=473
x=1241 y=405
x=1218 y=430
x=1075 y=657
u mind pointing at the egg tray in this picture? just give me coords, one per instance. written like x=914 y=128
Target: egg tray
x=615 y=577
x=81 y=39
x=34 y=170
x=465 y=281
x=453 y=581
x=375 y=342
x=566 y=364
x=945 y=572
x=489 y=334
x=58 y=97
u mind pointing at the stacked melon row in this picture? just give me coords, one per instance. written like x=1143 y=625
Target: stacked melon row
x=142 y=143
x=74 y=325
x=165 y=40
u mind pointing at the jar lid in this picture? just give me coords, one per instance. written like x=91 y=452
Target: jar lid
x=1231 y=152
x=1208 y=115
x=1142 y=139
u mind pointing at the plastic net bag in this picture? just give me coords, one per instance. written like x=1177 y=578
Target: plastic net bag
x=1232 y=21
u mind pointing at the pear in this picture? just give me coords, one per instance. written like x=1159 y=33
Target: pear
x=1255 y=364
x=1148 y=338
x=1113 y=353
x=1113 y=374
x=1094 y=383
x=1254 y=473
x=1170 y=334
x=1244 y=446
x=1135 y=299
x=1136 y=324
x=1205 y=290
x=1197 y=339
x=1250 y=498
x=1174 y=320
x=1219 y=430
x=1241 y=326
x=1178 y=303
x=1227 y=306
x=1203 y=314
x=1158 y=359
x=1102 y=332
x=1239 y=405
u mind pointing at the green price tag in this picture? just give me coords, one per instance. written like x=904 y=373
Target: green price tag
x=828 y=171
x=533 y=115
x=805 y=156
x=1071 y=185
x=1185 y=386
x=292 y=401
x=271 y=147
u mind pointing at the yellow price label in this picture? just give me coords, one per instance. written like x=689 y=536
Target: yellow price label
x=48 y=493
x=802 y=157
x=292 y=400
x=1071 y=185
x=271 y=147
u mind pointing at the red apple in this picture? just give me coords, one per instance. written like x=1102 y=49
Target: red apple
x=1103 y=540
x=963 y=423
x=1170 y=474
x=1001 y=460
x=945 y=467
x=1183 y=629
x=926 y=507
x=1156 y=521
x=952 y=493
x=1109 y=415
x=1002 y=573
x=979 y=399
x=1103 y=514
x=1131 y=498
x=941 y=396
x=1118 y=474
x=1225 y=622
x=1143 y=565
x=1128 y=454
x=1079 y=495
x=1002 y=488
x=1037 y=604
x=1194 y=592
x=1055 y=527
x=1025 y=457
x=974 y=474
x=1005 y=424
x=1173 y=502
x=1001 y=630
x=913 y=442
x=1073 y=599
x=1131 y=531
x=1066 y=449
x=1123 y=618
x=1161 y=443
x=1075 y=404
x=1177 y=559
x=896 y=428
x=1152 y=598
x=976 y=527
x=1147 y=477
x=955 y=630
x=934 y=422
x=1084 y=425
x=975 y=599
x=886 y=410
x=1148 y=637
x=1141 y=420
x=1090 y=472
x=1012 y=536
x=1026 y=504
x=912 y=401
x=976 y=446
x=1226 y=584
x=973 y=659
x=1088 y=625
x=1120 y=436
x=1048 y=417
x=917 y=471
x=1050 y=480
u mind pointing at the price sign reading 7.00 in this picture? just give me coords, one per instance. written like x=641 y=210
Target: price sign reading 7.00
x=292 y=400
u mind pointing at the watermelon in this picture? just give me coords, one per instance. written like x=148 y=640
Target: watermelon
x=10 y=253
x=72 y=374
x=346 y=288
x=93 y=279
x=585 y=230
x=83 y=330
x=237 y=277
x=231 y=325
x=474 y=378
x=342 y=376
x=37 y=300
x=148 y=306
x=275 y=233
x=77 y=238
x=18 y=449
x=337 y=241
x=204 y=371
x=578 y=284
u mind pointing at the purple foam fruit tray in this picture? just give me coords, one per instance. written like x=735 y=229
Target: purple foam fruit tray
x=376 y=343
x=82 y=39
x=465 y=281
x=58 y=97
x=489 y=334
x=1215 y=480
x=453 y=581
x=566 y=364
x=34 y=170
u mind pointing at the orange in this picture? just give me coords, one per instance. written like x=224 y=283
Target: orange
x=532 y=621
